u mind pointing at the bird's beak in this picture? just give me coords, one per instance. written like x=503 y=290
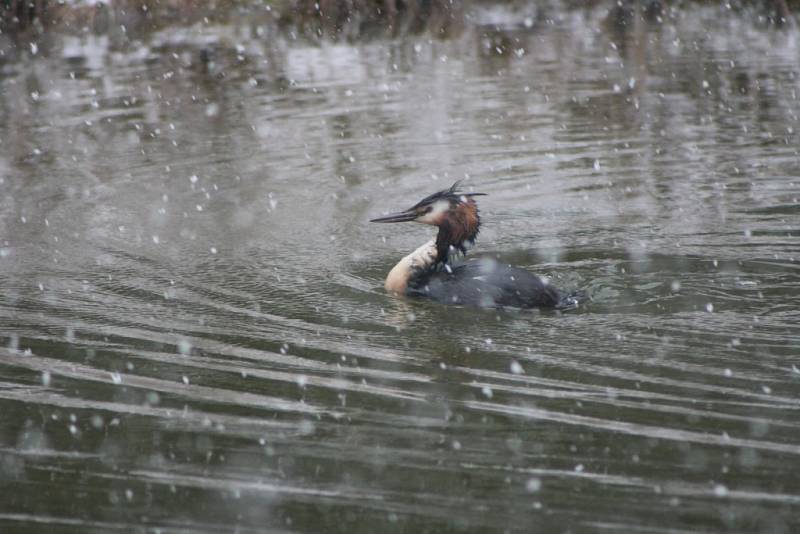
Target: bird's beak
x=401 y=216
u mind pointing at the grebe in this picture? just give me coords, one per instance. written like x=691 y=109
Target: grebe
x=484 y=282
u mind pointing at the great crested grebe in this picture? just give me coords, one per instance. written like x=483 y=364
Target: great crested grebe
x=484 y=282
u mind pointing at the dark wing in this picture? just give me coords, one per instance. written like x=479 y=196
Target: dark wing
x=486 y=283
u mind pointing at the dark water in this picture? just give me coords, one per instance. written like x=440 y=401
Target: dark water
x=191 y=296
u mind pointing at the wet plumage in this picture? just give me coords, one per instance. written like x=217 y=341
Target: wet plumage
x=429 y=271
x=487 y=284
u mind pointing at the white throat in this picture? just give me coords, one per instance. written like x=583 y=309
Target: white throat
x=399 y=276
x=435 y=215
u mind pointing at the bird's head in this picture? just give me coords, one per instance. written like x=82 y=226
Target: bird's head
x=454 y=213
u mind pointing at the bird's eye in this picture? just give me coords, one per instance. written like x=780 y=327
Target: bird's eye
x=428 y=209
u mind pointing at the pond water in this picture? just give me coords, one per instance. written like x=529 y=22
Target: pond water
x=194 y=332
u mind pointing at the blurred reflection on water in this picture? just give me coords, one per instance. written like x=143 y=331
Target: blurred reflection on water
x=195 y=332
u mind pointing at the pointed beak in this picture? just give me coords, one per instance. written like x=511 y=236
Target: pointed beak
x=401 y=216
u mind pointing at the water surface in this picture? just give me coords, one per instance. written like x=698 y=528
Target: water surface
x=195 y=332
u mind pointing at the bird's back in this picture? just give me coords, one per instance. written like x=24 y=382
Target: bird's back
x=487 y=283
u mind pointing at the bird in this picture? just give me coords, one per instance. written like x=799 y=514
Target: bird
x=438 y=271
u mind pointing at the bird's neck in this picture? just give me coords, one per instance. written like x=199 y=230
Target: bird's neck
x=455 y=234
x=423 y=258
x=457 y=231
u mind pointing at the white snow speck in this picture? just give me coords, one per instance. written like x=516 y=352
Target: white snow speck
x=533 y=485
x=97 y=421
x=184 y=347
